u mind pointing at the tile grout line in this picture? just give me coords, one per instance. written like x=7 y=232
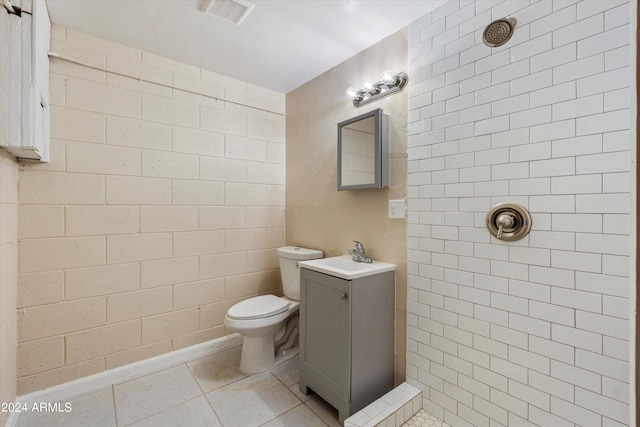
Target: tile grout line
x=113 y=401
x=204 y=395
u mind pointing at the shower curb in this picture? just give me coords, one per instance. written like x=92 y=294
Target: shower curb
x=392 y=409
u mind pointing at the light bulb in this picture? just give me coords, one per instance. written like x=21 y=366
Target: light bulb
x=351 y=92
x=387 y=76
x=368 y=84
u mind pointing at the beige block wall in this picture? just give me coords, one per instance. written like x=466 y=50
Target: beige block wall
x=160 y=208
x=319 y=216
x=8 y=277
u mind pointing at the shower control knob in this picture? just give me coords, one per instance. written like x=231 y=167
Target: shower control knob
x=505 y=220
x=508 y=221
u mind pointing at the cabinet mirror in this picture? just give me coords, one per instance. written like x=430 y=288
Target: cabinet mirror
x=363 y=151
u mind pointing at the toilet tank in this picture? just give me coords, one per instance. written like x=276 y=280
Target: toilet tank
x=289 y=272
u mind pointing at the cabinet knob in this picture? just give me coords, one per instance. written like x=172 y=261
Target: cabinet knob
x=343 y=295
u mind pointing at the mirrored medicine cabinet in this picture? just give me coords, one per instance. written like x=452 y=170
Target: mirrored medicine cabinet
x=363 y=151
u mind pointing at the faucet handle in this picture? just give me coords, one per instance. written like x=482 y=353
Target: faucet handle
x=359 y=246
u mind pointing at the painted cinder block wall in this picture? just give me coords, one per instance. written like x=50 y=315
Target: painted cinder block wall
x=8 y=239
x=533 y=332
x=160 y=209
x=8 y=278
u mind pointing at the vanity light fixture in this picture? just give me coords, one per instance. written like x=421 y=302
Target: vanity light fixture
x=388 y=85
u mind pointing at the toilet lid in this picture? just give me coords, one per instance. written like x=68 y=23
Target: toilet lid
x=258 y=307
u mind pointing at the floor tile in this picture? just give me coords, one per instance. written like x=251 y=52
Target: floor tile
x=295 y=389
x=149 y=395
x=217 y=370
x=323 y=410
x=424 y=419
x=300 y=416
x=196 y=412
x=95 y=410
x=252 y=401
x=174 y=397
x=287 y=373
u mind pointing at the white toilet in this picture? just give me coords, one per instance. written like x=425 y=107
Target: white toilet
x=269 y=324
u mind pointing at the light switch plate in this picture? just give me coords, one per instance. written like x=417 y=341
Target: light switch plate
x=396 y=209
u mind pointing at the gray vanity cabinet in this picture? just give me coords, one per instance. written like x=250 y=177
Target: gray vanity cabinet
x=346 y=338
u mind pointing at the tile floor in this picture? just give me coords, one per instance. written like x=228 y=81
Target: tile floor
x=206 y=392
x=424 y=419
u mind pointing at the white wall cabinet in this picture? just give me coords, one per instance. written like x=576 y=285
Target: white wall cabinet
x=24 y=71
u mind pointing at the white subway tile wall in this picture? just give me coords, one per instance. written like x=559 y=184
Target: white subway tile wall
x=533 y=332
x=161 y=207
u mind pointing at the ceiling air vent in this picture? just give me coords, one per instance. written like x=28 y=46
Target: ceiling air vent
x=230 y=10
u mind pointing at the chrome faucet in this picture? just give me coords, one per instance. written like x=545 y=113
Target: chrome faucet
x=358 y=253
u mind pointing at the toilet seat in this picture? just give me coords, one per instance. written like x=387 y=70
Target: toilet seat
x=258 y=307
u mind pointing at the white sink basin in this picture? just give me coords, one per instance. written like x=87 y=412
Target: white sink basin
x=345 y=268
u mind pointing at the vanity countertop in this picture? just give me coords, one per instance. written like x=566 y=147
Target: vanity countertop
x=345 y=268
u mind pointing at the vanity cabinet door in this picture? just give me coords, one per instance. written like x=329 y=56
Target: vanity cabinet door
x=326 y=332
x=346 y=338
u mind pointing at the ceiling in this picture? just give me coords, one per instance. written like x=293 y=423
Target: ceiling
x=280 y=45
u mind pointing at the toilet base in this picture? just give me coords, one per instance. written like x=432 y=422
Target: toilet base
x=286 y=356
x=258 y=346
x=258 y=355
x=274 y=345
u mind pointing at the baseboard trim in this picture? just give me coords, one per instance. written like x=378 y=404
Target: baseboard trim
x=69 y=390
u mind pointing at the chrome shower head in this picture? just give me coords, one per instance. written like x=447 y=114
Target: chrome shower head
x=498 y=32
